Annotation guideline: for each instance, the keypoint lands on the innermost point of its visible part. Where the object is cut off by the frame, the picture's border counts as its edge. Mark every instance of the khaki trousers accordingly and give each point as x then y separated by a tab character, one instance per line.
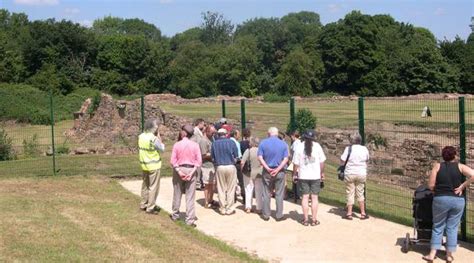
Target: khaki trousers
189	189
354	186
226	184
150	189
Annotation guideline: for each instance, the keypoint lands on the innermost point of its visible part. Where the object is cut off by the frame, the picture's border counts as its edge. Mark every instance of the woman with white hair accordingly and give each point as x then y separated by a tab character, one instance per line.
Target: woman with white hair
252	171
355	174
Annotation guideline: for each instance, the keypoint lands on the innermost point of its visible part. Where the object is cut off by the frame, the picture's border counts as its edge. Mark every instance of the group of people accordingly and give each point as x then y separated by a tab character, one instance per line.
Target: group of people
214	157
209	156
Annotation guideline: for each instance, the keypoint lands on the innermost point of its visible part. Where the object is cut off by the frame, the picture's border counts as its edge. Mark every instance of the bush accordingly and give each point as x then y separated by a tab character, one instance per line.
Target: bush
6	148
31	146
273	97
304	120
27	104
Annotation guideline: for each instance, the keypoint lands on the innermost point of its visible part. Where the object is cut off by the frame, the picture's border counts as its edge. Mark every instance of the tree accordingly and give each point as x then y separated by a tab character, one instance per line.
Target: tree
216	29
114	25
296	75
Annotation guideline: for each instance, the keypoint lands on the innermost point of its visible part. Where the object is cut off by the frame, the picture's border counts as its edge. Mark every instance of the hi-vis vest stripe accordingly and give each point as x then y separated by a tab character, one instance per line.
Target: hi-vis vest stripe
150	159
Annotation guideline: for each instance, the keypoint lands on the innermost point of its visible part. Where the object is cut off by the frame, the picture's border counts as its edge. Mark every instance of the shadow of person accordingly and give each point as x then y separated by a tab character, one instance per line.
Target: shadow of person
201	202
337	211
294	215
422	248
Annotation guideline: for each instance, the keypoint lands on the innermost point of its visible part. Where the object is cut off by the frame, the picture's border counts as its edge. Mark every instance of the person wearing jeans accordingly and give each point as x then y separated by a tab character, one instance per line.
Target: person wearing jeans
273	155
448	202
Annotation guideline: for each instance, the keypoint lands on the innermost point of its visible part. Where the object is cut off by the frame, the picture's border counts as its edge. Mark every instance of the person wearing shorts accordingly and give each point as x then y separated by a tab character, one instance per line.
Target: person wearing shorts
207	170
308	162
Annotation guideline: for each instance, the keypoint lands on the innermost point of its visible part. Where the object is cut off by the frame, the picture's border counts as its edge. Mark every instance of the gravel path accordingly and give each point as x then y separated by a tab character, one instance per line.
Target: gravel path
334	240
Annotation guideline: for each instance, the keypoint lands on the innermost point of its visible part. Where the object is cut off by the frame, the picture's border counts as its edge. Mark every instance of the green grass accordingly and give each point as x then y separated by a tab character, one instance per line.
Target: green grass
89	219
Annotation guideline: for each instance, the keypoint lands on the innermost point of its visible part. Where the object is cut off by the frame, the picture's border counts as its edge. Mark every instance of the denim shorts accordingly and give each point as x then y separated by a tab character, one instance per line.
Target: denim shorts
307	187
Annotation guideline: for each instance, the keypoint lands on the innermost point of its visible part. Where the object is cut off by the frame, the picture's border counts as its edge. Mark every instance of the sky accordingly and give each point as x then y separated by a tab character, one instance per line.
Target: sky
445	18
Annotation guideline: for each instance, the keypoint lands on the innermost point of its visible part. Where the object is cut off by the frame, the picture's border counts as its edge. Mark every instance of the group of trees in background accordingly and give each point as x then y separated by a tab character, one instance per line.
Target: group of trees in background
292	55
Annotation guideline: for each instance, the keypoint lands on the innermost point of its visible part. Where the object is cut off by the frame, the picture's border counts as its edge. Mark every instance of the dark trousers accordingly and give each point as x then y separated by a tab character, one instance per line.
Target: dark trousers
240	178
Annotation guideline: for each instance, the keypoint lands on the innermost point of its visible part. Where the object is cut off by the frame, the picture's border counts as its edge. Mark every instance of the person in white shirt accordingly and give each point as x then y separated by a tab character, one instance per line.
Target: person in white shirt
308	162
355	174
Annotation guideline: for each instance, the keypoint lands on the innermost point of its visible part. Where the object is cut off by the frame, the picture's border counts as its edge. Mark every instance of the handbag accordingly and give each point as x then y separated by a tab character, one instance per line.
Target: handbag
340	169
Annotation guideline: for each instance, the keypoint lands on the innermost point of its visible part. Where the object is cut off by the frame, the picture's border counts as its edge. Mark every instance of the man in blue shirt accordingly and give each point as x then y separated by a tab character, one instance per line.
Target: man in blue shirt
273	155
224	155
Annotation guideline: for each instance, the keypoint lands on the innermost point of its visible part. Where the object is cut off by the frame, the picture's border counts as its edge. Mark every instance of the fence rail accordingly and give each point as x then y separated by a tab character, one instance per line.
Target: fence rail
404	137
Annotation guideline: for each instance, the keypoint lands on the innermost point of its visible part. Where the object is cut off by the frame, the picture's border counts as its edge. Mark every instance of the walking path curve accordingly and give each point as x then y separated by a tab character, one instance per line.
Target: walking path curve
334	240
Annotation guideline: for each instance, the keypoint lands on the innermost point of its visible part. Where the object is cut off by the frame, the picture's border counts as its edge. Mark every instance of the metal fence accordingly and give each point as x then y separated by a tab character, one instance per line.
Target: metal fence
404	136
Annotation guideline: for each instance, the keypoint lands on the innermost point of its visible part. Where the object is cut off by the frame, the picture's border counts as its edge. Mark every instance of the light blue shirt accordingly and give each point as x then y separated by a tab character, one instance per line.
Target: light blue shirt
238	147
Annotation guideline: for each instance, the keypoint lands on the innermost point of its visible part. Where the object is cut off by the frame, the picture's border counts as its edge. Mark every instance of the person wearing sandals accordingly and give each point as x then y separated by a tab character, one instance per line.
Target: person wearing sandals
252	176
355	172
448	201
308	162
208	171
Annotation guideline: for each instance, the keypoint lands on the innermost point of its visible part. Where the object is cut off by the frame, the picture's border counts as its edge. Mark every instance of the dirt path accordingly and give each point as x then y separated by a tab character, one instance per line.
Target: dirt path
335	240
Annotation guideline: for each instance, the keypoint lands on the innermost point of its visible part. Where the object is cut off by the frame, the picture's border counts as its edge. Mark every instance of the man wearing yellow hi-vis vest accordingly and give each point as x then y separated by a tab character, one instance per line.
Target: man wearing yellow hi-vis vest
149	147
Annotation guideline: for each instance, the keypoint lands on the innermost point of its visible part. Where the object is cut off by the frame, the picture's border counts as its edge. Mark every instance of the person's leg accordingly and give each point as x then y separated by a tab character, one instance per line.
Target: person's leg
145	190
304	205
221	181
350	191
452	223
258	184
248	184
240	180
359	182
190	187
267	194
177	192
314	207
232	185
440	214
279	193
154	190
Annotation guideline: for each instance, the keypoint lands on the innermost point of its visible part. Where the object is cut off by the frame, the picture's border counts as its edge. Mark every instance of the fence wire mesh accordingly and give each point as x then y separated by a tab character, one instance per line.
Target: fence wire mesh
404	136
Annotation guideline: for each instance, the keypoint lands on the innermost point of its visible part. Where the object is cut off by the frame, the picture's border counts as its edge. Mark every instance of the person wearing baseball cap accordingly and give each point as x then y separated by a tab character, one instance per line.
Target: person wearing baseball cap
224	155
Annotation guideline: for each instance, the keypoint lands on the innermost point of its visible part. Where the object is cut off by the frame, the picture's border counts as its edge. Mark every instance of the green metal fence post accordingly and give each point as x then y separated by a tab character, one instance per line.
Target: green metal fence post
242	114
462	157
292	114
223	109
52	130
362	135
361	119
142	112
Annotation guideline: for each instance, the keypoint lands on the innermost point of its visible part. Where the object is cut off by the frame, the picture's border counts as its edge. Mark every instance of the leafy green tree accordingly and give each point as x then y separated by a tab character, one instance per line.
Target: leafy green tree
216	29
6	147
114	25
296	75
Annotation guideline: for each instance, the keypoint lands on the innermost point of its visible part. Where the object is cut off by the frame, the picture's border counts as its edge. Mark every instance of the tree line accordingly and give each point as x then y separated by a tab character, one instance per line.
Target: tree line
293	55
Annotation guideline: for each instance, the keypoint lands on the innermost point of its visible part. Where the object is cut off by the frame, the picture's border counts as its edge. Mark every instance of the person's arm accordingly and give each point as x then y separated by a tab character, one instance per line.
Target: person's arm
469	173
322	159
432	180
264	164
174	159
278	169
342	161
159	146
321	168
235	152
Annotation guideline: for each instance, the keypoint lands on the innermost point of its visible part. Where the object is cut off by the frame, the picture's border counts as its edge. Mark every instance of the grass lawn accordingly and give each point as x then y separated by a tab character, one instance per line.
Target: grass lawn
94	219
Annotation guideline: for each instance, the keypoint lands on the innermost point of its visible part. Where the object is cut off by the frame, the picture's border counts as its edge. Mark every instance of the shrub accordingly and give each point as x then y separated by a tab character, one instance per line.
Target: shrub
377	139
6	148
273	97
304	120
31	146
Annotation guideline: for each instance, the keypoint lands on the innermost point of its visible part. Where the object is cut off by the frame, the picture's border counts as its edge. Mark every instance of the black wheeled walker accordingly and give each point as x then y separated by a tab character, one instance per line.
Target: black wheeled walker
423	218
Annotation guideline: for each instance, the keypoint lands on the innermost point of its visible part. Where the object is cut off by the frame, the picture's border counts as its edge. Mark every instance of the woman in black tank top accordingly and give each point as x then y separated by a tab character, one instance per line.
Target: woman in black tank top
446	180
